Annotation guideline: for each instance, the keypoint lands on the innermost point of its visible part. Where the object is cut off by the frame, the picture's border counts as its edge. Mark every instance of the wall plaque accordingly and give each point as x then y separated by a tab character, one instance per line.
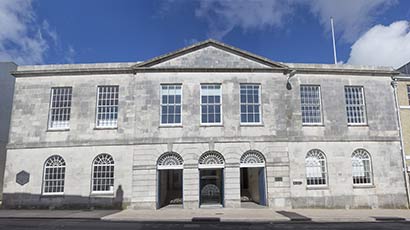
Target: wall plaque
22	177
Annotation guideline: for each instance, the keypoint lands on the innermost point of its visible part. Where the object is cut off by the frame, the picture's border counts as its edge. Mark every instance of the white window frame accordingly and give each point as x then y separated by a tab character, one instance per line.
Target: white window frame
203	164
370	172
161	104
169	161
101	165
220	104
320	105
408	94
51	108
364	106
63	166
260	105
252	159
97	107
323	170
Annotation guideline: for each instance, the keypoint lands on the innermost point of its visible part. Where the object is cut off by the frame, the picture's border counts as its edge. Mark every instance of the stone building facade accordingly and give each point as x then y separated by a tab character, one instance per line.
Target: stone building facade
403	99
6	101
208	125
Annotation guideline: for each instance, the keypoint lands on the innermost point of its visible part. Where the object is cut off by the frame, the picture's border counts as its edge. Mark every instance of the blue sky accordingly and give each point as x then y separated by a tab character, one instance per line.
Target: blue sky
87	31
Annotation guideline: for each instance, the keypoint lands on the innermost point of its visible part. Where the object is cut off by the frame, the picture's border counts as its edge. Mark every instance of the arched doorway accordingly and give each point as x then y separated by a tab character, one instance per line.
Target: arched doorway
169	172
253	180
211	179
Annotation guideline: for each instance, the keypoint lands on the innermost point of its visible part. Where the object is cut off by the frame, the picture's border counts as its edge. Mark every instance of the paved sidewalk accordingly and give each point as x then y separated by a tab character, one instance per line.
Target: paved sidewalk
184	215
54	214
354	215
263	215
254	215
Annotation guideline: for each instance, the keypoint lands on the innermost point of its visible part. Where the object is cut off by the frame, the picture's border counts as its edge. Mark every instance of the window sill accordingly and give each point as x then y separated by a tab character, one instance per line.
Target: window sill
251	124
211	125
52	194
170	126
317	187
106	128
357	125
102	194
58	130
363	186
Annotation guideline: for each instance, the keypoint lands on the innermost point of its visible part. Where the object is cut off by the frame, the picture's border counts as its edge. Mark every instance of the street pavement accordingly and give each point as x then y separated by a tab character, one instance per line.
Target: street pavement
83	224
218	218
243	215
54	214
262	215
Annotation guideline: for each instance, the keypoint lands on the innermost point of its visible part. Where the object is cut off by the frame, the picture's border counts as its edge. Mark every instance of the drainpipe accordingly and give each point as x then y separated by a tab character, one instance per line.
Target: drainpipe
403	155
290	75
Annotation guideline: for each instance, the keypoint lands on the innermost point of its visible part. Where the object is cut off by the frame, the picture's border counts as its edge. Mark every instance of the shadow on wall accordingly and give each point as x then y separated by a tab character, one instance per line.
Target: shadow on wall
37	201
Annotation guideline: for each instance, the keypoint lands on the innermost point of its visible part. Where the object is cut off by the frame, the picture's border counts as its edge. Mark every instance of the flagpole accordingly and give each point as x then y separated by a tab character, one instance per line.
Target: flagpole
333	38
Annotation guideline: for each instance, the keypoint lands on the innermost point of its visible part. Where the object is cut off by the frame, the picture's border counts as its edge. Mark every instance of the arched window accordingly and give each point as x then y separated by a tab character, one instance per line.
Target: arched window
361	167
252	158
316	170
103	173
54	175
170	160
211	159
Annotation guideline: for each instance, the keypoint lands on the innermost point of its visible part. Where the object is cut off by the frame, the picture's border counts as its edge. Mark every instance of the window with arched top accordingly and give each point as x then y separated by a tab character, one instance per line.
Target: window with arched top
170	160
316	169
103	173
211	159
54	175
252	158
362	167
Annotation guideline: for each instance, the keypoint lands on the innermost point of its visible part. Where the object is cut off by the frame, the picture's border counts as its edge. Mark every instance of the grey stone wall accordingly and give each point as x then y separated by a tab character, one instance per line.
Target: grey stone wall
6	100
139	110
140	139
210	57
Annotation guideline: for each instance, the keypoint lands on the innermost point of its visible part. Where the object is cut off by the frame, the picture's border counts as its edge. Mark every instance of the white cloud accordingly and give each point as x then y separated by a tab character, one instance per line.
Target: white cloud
69	55
223	16
383	46
351	17
22	38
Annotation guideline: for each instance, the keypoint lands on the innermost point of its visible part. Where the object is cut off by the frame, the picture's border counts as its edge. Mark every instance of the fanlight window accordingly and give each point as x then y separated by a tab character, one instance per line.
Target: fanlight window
316	170
252	158
54	175
211	159
361	167
103	173
170	160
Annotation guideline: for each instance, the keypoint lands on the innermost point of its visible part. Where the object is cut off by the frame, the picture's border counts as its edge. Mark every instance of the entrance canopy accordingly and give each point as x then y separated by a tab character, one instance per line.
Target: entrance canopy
252	159
170	160
211	159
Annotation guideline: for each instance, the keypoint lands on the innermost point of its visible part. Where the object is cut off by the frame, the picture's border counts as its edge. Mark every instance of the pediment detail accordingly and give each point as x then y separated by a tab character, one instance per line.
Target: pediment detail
210	55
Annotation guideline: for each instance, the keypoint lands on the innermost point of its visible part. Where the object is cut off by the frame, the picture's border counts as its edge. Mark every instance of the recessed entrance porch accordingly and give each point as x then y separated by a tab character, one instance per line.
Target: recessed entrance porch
211	179
170	180
253	179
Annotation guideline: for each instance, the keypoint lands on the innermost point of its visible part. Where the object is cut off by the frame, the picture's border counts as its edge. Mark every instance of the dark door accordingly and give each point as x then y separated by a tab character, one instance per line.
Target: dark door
211	186
262	186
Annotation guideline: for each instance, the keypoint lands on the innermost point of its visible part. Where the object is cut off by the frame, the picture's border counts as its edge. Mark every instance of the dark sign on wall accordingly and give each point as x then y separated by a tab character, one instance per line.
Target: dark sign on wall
22	177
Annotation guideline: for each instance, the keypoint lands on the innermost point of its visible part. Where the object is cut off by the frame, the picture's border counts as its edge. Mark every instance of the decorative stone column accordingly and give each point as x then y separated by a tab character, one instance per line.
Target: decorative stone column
232	186
191	186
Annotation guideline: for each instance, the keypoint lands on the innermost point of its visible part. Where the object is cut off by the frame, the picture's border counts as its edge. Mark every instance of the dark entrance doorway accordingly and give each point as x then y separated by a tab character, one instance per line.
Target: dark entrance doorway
169	187
211	186
253	188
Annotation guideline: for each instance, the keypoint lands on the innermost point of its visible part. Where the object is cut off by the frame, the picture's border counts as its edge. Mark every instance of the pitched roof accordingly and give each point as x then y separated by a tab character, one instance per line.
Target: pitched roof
207	43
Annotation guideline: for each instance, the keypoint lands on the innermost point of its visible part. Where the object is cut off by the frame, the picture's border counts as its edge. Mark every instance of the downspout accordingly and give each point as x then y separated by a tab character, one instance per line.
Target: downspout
403	155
